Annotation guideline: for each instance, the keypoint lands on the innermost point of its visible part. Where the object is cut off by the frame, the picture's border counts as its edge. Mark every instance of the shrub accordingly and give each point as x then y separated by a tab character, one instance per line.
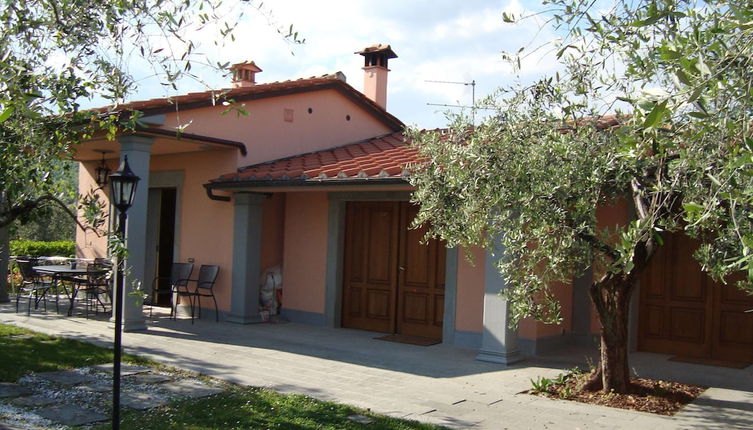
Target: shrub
62	248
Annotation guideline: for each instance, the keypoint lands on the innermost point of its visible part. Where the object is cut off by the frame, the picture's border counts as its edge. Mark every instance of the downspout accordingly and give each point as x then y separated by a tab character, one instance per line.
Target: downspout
213	196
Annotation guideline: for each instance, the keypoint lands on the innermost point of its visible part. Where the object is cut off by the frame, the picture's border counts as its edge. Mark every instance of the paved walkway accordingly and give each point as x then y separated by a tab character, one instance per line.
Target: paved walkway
438	384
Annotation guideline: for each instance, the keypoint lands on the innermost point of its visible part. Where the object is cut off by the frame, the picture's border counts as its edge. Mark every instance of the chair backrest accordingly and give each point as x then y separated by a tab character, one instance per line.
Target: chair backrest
99	278
180	273
27	272
207	276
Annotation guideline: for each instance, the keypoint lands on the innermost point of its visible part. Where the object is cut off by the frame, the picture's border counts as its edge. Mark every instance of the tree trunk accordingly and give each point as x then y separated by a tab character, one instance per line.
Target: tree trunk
612	300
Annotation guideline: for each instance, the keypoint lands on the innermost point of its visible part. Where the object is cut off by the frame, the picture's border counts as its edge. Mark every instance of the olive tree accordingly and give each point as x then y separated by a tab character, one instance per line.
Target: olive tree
653	106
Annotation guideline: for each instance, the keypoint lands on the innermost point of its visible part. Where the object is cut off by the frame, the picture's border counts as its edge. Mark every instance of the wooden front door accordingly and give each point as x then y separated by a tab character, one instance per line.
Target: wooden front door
392	283
683	312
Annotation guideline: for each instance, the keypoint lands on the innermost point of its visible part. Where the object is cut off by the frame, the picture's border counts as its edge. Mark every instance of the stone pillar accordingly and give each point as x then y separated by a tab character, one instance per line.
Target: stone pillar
4	258
138	149
247	227
499	343
581	313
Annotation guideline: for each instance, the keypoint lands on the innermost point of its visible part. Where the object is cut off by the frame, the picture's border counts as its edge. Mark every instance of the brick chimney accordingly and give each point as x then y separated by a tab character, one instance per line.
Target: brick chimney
244	74
375	72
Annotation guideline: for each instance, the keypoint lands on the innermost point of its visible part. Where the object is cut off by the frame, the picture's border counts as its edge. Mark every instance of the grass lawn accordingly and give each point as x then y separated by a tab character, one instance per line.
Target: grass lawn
23	351
255	408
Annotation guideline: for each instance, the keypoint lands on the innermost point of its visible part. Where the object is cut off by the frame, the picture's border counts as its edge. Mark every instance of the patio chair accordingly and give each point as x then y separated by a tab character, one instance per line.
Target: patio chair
204	288
97	286
35	285
180	273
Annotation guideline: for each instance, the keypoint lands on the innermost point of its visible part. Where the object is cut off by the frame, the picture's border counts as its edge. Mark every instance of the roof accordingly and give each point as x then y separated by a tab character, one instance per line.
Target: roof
380	159
383	159
335	81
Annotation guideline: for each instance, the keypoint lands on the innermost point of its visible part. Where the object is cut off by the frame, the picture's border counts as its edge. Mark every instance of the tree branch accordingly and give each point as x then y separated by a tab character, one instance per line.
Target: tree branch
598	244
640	203
31	204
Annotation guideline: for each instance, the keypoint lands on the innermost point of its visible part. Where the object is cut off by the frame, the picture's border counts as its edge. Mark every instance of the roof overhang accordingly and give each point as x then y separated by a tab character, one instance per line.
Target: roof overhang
165	142
297	185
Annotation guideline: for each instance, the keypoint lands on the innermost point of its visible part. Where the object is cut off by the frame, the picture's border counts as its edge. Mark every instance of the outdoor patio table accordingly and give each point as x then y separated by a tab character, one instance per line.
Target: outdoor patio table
58	272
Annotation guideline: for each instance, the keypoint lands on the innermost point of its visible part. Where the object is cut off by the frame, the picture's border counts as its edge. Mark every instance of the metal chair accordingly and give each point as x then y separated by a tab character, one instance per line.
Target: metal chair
180	273
204	288
34	284
97	284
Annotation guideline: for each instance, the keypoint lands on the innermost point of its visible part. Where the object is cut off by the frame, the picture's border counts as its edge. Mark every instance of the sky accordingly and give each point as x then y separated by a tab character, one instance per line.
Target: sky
435	40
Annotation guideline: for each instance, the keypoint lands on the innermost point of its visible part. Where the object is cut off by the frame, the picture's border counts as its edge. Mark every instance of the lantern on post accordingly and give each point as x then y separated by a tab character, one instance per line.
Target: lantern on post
102	171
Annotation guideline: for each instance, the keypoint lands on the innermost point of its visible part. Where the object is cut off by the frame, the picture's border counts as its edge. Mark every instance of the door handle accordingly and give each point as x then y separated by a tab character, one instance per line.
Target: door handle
402	268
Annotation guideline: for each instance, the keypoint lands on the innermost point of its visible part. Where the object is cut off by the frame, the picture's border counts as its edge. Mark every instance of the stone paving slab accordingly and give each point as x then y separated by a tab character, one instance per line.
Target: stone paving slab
34	401
72	415
66	377
9	389
147	378
96	387
125	369
141	400
191	389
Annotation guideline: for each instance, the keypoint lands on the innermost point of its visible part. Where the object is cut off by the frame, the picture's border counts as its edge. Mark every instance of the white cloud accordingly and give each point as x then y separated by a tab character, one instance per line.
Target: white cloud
435	40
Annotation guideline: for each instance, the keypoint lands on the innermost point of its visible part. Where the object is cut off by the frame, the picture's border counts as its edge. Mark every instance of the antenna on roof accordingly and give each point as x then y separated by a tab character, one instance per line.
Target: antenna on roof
473	106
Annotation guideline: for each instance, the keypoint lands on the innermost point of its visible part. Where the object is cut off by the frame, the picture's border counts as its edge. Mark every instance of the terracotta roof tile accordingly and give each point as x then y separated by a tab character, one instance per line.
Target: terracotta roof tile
383	157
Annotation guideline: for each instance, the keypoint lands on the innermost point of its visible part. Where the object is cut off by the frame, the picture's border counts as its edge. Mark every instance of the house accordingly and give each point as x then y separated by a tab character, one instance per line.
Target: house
309	175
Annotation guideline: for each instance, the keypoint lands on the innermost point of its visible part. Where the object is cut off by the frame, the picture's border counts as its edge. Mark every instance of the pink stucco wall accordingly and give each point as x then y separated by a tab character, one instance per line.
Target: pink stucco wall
305	251
88	243
469	314
206	226
273	231
531	329
269	136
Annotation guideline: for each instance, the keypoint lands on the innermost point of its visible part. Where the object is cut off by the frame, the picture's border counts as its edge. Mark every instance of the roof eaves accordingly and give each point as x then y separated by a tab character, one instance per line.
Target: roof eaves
313	182
197	137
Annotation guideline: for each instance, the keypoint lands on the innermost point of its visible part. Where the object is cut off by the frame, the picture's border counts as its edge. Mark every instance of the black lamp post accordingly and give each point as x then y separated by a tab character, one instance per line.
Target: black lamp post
123	182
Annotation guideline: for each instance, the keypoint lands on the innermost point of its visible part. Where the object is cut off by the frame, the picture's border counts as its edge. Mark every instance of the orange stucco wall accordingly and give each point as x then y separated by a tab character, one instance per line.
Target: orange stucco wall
609	216
469	313
305	251
269	136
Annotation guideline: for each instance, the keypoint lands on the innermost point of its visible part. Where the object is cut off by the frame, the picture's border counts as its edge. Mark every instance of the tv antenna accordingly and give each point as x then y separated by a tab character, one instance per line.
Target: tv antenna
473	106
473	93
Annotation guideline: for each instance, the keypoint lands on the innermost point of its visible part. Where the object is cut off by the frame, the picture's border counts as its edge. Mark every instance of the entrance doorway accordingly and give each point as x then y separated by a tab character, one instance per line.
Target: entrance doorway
160	237
684	312
392	283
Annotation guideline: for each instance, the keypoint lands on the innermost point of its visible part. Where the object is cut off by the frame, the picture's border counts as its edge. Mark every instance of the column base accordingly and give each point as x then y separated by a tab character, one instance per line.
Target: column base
244	319
506	358
138	324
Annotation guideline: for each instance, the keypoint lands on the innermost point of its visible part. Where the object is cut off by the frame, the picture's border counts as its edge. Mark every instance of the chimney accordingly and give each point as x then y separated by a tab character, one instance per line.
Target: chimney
375	72
244	74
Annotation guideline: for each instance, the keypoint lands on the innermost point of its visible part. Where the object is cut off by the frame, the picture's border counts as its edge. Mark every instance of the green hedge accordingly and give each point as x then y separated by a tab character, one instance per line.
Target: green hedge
61	248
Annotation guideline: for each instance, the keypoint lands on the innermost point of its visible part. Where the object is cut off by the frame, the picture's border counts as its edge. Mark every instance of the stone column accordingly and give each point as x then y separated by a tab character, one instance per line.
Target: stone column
138	149
4	258
499	343
247	227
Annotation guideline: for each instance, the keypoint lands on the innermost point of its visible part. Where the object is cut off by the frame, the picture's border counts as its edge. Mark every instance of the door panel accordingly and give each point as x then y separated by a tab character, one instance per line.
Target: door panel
391	282
683	312
369	272
733	326
419	288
